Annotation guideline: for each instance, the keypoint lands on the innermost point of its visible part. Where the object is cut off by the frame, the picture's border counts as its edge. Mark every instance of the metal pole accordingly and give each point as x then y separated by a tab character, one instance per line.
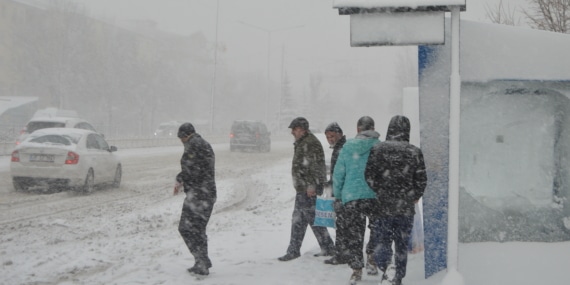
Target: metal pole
454	128
213	88
268	95
281	88
268	77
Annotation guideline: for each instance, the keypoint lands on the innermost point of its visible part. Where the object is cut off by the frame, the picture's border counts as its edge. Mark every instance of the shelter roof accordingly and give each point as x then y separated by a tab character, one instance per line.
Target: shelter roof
347	7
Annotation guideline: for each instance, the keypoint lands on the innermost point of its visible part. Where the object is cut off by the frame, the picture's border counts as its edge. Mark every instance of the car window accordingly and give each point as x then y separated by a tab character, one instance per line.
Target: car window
34	126
102	143
85	126
92	142
52	139
244	127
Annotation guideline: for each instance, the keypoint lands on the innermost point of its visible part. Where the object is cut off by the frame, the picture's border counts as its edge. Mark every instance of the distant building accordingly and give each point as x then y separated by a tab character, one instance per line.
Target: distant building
14	114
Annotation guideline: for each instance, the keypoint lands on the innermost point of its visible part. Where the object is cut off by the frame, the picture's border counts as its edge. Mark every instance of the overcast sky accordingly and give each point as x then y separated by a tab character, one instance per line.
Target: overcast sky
303	37
310	32
188	16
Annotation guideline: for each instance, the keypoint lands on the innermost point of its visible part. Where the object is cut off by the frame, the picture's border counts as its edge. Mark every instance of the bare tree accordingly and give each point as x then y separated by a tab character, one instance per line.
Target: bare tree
549	15
501	14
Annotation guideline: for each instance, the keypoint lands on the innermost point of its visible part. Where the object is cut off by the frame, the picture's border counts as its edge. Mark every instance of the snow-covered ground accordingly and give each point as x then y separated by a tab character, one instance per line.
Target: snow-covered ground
129	235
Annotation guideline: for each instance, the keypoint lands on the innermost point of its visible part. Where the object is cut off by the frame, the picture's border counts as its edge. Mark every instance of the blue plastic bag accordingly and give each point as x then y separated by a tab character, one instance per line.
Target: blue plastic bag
324	212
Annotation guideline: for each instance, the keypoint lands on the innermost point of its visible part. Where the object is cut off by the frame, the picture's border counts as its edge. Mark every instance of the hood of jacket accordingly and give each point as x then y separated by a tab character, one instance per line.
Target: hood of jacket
362	143
398	129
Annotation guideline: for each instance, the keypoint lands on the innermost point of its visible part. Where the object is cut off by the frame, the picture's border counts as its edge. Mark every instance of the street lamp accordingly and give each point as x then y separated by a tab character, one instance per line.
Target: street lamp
269	31
213	87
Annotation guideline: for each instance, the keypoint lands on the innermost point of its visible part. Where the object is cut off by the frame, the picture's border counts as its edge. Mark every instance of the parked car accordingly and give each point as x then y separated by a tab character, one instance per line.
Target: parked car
38	123
65	158
167	129
250	135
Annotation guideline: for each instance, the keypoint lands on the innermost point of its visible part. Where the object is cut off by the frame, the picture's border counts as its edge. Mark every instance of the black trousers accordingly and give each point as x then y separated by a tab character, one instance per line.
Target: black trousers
340	242
303	216
395	229
356	213
192	228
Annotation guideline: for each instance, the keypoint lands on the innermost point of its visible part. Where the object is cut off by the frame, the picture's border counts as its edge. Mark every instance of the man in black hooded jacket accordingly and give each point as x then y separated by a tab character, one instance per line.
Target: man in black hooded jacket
197	178
396	172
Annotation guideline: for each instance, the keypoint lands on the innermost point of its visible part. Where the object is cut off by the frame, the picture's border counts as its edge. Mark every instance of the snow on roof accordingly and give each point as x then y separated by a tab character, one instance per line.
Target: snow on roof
51	112
370	4
9	102
62	131
492	51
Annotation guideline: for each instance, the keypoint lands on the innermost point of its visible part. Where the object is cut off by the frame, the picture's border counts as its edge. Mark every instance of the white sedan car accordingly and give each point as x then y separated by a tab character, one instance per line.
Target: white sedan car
64	158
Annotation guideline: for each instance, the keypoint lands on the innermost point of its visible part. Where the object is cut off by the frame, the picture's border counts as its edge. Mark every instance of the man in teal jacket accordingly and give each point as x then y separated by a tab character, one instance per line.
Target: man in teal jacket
358	198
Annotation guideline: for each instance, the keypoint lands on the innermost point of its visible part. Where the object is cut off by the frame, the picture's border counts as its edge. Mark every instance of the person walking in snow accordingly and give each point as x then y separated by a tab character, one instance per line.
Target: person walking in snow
396	172
358	199
197	179
309	176
336	140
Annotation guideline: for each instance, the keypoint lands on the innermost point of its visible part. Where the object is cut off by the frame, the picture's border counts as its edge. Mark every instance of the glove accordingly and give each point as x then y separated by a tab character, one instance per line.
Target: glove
177	187
311	192
319	189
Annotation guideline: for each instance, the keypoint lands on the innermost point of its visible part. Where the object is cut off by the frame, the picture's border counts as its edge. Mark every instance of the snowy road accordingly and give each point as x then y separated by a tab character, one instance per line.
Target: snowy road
67	237
129	235
148	176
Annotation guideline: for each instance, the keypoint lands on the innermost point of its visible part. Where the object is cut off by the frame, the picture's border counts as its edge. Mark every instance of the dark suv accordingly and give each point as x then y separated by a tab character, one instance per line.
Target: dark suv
250	134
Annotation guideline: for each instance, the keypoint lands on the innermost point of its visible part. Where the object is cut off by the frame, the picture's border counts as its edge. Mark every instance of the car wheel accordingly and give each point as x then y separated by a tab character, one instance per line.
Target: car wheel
18	185
56	188
118	175
89	182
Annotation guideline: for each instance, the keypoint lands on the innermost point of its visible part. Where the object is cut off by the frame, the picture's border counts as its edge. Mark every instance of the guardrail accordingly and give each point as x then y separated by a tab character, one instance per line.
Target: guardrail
6	148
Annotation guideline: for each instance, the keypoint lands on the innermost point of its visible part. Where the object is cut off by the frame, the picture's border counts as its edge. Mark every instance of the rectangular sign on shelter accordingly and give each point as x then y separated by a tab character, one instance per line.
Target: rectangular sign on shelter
397	29
396	22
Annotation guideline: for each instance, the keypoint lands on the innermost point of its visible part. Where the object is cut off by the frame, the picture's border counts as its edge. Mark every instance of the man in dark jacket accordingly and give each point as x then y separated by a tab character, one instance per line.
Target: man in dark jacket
396	172
336	140
309	176
197	178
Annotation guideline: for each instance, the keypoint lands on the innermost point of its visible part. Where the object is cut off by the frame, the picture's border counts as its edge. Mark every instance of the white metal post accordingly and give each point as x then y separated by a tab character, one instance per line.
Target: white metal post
453	276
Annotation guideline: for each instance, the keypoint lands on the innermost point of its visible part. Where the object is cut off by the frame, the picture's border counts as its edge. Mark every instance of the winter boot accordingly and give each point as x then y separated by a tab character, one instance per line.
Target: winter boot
371	267
356	276
199	270
324	253
335	260
288	256
384	278
201	267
